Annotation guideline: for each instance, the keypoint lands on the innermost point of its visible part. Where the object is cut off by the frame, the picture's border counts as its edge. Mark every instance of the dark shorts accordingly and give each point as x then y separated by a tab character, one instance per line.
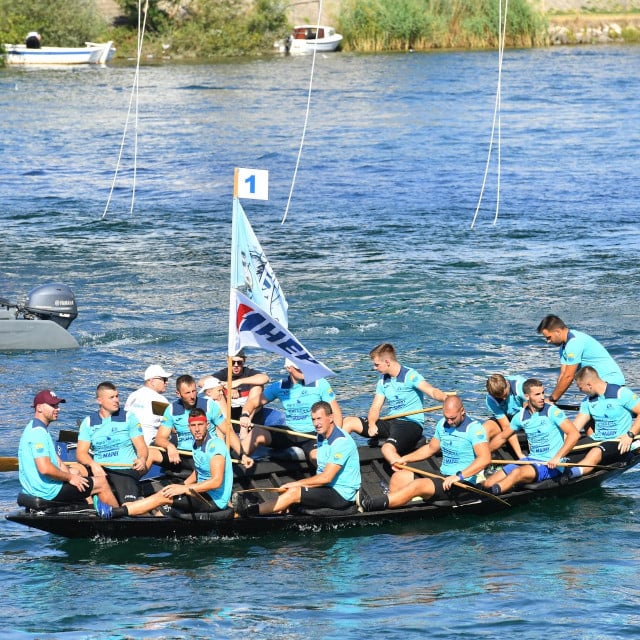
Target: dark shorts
71	495
125	484
191	504
185	464
404	435
326	497
284	441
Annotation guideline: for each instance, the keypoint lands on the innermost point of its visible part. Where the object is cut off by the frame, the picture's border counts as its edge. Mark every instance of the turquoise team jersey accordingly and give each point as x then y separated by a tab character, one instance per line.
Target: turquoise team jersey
110	438
612	412
457	444
176	416
402	393
297	400
514	402
543	430
339	448
583	350
213	446
36	442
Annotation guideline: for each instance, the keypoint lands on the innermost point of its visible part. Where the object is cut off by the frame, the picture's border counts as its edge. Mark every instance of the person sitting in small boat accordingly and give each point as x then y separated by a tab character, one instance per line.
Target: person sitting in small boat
505	398
41	471
175	419
297	397
33	40
115	437
465	453
403	388
140	402
615	411
550	434
207	489
577	350
243	380
336	481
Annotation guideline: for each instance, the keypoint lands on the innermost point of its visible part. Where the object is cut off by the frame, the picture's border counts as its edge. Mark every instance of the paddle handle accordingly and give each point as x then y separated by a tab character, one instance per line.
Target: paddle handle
411	413
289	432
562	464
462	485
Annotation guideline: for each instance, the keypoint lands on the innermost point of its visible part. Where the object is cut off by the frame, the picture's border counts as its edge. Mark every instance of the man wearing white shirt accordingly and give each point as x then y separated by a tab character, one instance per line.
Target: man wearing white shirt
140	402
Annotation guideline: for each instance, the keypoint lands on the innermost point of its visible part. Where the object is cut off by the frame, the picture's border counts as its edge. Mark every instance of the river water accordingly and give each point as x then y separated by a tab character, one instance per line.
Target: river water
377	247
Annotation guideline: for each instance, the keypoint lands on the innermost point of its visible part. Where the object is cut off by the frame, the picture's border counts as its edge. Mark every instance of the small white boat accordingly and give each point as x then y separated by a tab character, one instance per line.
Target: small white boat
91	53
307	37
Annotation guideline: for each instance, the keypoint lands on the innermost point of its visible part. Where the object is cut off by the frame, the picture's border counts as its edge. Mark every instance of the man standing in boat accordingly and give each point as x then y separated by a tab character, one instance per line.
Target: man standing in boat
140	402
577	350
42	472
550	434
336	482
465	453
207	489
403	389
297	398
116	440
175	423
615	412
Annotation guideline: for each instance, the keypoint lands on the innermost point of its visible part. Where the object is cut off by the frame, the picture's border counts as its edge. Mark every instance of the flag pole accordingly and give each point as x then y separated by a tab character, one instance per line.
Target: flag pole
231	315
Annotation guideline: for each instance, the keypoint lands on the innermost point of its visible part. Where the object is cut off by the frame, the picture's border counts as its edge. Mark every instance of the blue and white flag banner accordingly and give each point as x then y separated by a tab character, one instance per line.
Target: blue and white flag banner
251	326
251	272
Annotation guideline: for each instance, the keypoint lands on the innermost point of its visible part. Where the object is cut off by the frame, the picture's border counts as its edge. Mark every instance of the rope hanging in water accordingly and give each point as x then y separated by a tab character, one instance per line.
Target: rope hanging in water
135	94
502	32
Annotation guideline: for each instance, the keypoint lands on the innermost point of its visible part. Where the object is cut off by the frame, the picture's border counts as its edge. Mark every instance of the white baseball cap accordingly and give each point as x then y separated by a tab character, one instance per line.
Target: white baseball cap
291	363
210	383
155	371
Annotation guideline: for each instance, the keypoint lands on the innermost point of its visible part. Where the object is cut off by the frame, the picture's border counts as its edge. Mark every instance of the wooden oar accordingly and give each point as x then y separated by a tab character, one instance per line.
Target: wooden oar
411	413
8	463
562	464
182	452
597	443
256	489
289	432
462	485
197	495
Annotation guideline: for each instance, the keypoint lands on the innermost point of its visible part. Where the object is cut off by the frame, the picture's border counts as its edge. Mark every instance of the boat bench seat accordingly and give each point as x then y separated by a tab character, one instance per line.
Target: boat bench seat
33	503
225	514
328	513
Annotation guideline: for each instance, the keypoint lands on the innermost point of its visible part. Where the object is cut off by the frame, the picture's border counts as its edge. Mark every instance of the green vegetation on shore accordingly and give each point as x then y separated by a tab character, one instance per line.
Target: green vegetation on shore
215	28
383	25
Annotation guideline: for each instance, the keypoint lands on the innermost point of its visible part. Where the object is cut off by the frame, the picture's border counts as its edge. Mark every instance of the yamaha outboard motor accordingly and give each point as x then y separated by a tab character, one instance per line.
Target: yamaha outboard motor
54	301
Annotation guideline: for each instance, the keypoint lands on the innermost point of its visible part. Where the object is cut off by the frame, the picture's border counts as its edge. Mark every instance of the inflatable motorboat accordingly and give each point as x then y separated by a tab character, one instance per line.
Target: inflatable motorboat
41	321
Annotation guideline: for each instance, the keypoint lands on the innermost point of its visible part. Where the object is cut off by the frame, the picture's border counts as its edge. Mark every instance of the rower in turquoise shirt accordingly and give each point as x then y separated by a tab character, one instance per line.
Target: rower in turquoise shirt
339	448
36	442
210	447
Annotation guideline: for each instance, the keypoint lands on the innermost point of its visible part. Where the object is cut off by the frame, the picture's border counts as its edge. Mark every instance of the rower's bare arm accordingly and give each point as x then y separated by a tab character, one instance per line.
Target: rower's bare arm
330	471
84	457
337	412
424	452
581	421
571	436
374	410
567	374
481	461
259	379
140	463
433	392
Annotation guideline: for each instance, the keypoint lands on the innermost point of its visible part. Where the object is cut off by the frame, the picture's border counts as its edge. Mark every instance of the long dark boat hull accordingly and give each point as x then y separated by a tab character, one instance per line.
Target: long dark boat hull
83	522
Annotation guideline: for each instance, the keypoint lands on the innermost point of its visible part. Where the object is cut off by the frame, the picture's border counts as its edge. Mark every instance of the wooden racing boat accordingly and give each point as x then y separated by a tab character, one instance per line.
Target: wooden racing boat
80	521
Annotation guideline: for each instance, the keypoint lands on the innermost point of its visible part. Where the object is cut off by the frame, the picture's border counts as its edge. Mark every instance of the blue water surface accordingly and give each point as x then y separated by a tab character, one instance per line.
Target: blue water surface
377	247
